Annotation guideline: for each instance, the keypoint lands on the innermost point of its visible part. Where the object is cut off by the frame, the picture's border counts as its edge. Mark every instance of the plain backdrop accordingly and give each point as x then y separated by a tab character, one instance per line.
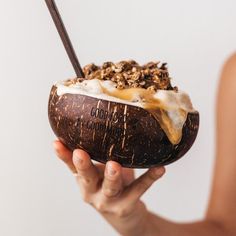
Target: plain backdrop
38	195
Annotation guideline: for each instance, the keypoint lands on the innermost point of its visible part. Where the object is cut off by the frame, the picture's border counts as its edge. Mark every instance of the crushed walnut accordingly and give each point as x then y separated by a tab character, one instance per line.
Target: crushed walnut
129	74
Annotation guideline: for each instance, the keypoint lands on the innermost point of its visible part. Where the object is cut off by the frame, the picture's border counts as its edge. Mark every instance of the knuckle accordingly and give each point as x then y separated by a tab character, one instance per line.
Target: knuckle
86	181
109	192
122	212
142	185
101	207
86	198
112	178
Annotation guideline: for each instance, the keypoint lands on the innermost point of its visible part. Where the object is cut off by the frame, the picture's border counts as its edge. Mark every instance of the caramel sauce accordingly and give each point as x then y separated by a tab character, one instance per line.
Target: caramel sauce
173	133
156	108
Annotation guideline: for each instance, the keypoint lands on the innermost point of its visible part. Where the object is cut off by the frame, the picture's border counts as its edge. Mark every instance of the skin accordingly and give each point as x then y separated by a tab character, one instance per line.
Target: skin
115	192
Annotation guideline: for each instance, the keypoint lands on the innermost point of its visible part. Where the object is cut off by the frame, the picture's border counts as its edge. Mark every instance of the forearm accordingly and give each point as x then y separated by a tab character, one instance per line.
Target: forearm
157	226
145	223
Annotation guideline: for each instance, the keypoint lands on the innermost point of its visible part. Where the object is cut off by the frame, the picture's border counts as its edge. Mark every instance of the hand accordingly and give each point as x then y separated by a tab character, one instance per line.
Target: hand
112	190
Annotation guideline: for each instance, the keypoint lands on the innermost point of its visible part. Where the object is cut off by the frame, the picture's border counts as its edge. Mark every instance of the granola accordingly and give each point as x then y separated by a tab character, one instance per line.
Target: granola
129	74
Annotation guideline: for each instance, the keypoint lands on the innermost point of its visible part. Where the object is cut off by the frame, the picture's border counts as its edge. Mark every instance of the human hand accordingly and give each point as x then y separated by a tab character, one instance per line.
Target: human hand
112	190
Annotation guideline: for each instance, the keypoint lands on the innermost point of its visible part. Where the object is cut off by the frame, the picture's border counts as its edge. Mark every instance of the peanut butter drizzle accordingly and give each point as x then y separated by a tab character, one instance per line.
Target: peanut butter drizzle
155	107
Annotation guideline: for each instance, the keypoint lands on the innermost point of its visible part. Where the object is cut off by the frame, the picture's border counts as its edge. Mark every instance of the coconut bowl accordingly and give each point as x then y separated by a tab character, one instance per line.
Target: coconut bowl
107	130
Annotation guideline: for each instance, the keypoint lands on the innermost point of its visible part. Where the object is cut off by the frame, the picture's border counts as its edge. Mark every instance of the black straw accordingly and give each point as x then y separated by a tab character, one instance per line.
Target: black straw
64	37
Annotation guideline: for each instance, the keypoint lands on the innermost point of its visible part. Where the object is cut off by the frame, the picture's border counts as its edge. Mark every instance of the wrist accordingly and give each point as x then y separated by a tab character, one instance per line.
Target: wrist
153	225
137	221
132	224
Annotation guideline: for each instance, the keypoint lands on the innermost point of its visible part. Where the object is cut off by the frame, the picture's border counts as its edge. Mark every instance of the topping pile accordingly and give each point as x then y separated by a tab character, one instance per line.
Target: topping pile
129	74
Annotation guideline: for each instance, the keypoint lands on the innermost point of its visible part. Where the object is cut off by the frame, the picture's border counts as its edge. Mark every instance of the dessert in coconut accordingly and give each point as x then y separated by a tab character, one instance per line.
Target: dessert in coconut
124	112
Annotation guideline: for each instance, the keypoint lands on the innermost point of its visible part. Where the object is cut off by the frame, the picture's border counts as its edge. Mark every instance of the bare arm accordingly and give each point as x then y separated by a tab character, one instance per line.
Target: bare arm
221	215
115	193
222	205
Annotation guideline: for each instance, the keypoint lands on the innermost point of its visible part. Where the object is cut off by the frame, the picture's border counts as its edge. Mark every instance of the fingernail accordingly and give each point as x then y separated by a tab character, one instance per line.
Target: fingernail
159	171
78	159
111	171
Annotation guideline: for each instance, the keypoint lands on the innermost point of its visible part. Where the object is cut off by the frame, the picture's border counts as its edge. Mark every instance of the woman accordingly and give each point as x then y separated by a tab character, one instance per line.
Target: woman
115	193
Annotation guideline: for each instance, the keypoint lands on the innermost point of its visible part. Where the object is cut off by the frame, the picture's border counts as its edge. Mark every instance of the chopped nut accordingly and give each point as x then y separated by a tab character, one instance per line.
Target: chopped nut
152	88
107	65
90	69
176	89
136	76
133	63
129	74
121	85
151	65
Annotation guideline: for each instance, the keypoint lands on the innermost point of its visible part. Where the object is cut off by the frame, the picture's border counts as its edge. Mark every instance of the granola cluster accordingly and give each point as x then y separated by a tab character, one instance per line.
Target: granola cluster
129	74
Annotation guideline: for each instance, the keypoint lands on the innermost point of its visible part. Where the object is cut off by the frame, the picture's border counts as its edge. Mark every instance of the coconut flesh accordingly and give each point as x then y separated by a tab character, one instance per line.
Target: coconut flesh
172	106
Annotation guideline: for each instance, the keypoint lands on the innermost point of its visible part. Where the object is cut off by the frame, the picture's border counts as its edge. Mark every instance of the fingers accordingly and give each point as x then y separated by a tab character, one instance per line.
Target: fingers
64	154
128	176
87	174
112	183
143	183
104	186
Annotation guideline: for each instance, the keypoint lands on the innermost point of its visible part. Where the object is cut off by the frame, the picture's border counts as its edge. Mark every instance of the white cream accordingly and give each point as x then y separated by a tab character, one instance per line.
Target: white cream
176	104
94	88
174	100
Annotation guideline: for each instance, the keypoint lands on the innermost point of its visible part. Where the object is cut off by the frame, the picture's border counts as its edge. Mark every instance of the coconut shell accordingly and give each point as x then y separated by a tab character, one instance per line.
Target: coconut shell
109	130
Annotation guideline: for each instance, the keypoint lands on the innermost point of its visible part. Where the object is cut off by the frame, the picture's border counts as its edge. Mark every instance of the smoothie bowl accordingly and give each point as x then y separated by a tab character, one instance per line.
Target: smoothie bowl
124	112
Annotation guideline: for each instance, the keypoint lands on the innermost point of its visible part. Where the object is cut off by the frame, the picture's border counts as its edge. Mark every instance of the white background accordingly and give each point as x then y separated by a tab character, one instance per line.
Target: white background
38	195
